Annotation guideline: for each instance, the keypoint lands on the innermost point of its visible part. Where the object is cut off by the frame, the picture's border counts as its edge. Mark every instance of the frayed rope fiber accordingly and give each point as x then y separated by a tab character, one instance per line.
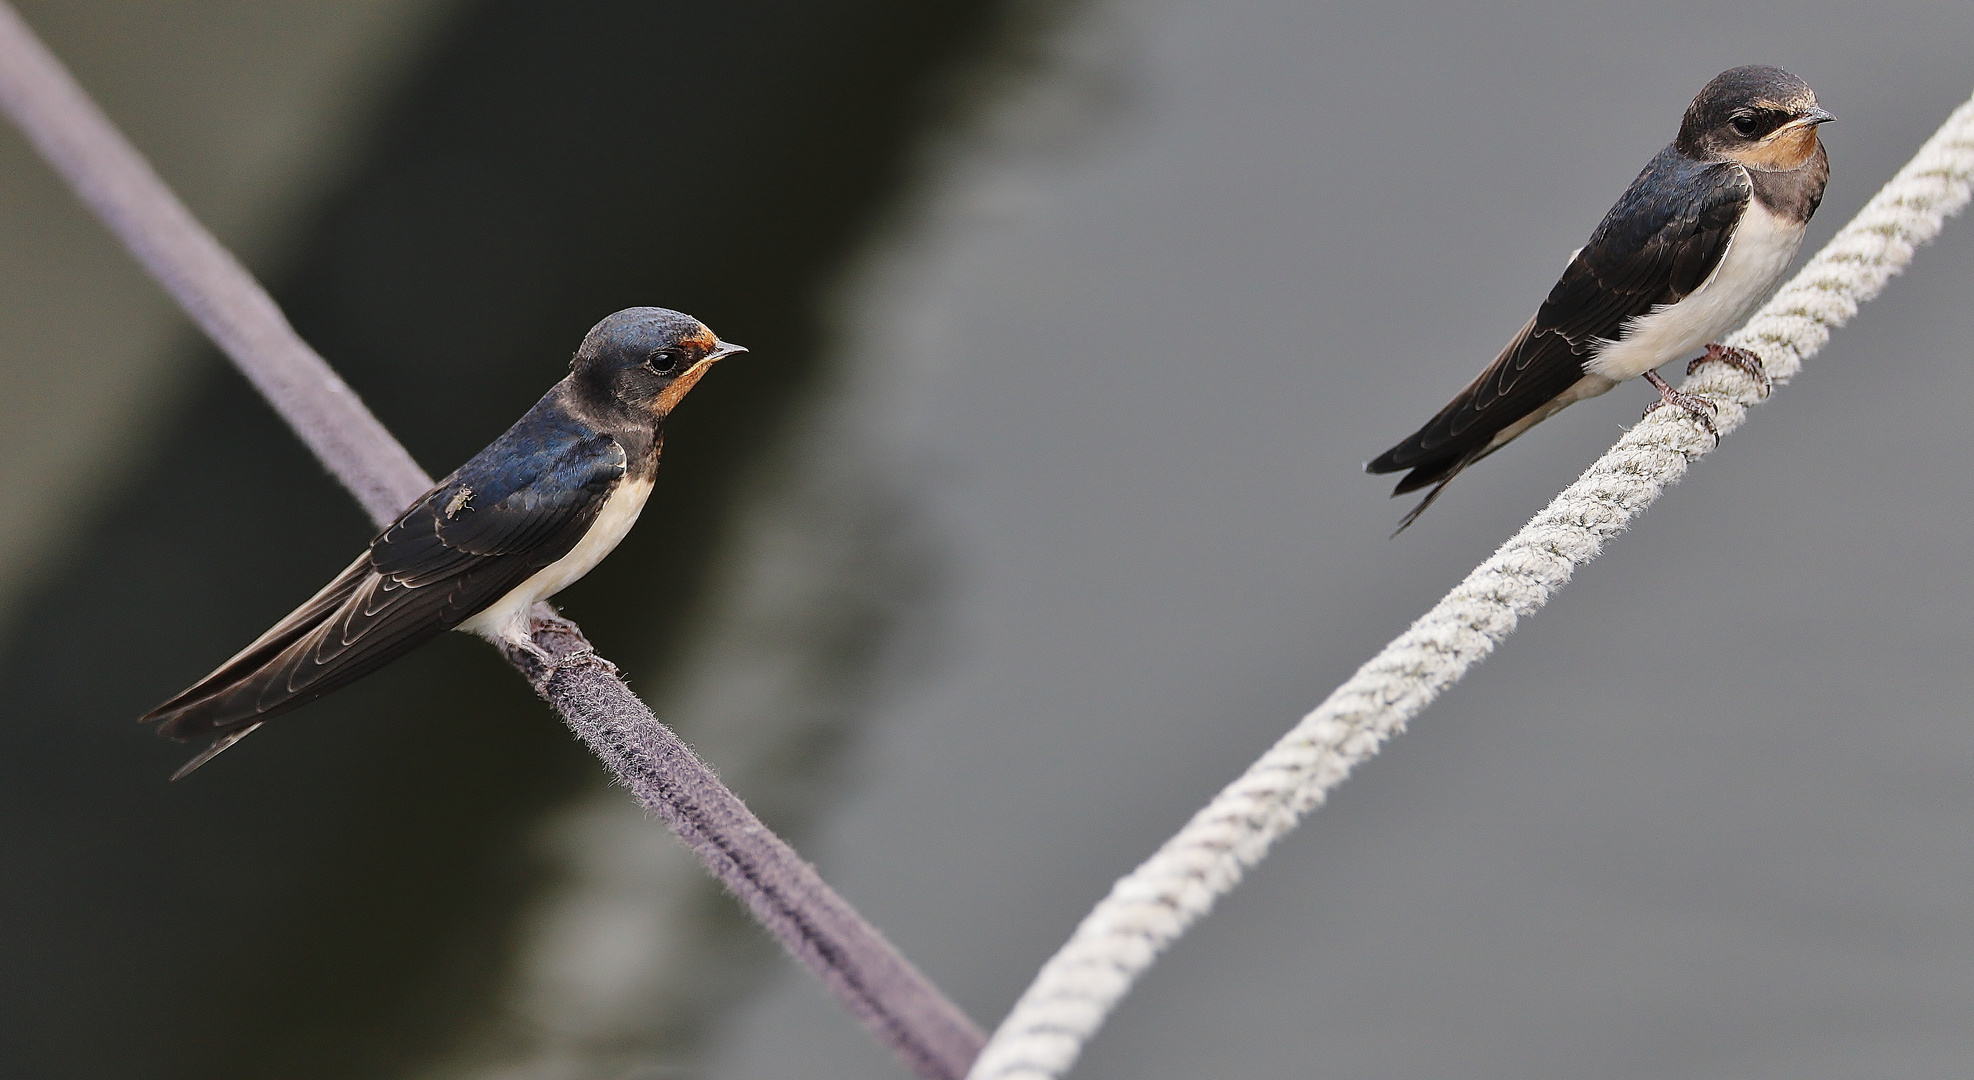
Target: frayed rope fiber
1155	904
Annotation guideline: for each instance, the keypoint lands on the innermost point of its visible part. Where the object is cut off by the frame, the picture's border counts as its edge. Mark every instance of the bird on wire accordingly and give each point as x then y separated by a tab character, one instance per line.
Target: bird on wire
1692	248
522	520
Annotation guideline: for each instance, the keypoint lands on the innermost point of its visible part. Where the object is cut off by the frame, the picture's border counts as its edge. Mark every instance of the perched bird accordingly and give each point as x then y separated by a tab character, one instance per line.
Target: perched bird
526	517
1693	248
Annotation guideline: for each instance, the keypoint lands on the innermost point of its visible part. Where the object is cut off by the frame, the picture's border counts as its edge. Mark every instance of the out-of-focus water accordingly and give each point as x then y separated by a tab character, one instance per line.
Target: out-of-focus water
1035	514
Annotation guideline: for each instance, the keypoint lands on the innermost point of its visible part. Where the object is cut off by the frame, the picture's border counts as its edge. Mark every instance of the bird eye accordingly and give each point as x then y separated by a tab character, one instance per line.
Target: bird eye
664	362
1743	125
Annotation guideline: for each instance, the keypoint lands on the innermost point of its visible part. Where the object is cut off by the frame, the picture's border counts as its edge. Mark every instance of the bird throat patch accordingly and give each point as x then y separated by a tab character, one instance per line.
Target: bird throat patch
1790	148
670	396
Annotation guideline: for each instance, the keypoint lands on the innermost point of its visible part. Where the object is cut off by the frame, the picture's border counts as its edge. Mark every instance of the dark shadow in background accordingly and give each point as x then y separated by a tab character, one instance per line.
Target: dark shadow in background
333	898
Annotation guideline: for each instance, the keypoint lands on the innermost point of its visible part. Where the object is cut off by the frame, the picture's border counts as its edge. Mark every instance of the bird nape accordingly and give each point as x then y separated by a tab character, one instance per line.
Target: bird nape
1690	250
520	521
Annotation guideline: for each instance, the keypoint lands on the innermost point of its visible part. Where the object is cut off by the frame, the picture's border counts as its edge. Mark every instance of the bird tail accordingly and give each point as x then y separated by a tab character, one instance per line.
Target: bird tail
268	677
1438	475
1434	455
213	751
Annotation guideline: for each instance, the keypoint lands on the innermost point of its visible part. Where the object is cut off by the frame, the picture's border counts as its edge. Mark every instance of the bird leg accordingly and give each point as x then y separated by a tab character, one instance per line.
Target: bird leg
1700	408
547	665
545	625
544	660
584	655
1740	358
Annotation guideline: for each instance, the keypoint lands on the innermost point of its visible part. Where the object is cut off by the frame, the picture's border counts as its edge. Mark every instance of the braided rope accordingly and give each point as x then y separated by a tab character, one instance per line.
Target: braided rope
1151	907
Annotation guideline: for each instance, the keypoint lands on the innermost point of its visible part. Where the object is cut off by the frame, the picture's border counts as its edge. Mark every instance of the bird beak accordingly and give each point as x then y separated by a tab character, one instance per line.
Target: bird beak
724	349
1811	119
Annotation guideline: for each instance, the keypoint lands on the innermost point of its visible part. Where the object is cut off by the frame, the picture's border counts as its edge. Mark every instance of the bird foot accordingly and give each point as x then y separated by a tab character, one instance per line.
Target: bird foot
545	664
1740	358
1698	407
548	665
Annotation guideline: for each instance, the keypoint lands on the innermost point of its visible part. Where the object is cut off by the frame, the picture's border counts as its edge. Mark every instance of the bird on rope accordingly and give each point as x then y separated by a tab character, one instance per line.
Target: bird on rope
1691	250
519	522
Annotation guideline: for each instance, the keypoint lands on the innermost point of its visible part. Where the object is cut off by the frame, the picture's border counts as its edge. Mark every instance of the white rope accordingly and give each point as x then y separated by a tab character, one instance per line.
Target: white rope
1151	907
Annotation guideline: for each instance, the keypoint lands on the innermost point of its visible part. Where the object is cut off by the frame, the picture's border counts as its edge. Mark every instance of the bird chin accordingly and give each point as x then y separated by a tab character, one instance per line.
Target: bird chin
1789	148
670	396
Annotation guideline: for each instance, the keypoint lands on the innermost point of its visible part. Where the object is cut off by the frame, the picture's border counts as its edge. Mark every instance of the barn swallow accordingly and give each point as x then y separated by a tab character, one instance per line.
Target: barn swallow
1693	248
522	520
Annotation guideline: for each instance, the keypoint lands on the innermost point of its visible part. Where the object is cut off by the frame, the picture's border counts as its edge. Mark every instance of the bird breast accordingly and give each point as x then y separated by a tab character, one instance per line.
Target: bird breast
612	524
507	618
1760	251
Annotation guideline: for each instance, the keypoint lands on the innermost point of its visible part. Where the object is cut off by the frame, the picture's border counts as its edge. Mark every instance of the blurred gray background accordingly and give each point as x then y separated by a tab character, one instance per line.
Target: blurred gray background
1034	515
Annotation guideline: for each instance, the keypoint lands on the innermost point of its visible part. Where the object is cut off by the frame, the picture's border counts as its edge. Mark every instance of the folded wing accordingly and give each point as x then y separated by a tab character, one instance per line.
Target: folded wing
516	507
1661	242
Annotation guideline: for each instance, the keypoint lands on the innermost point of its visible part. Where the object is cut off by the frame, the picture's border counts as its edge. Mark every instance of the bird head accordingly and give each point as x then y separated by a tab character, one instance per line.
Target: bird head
1761	117
647	358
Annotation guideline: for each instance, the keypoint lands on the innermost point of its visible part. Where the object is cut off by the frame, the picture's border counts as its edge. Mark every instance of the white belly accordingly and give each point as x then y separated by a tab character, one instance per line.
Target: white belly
507	618
1760	251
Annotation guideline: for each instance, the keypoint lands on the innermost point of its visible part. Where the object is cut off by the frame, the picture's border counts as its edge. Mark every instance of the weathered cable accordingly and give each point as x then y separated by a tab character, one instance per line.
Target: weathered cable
1150	908
897	1003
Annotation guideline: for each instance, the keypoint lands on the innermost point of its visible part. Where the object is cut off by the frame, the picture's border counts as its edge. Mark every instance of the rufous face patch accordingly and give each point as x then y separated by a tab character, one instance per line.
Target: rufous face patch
1790	147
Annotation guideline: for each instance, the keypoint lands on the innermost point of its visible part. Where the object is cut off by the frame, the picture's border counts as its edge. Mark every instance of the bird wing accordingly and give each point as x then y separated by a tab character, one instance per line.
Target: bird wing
1661	242
529	500
518	506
